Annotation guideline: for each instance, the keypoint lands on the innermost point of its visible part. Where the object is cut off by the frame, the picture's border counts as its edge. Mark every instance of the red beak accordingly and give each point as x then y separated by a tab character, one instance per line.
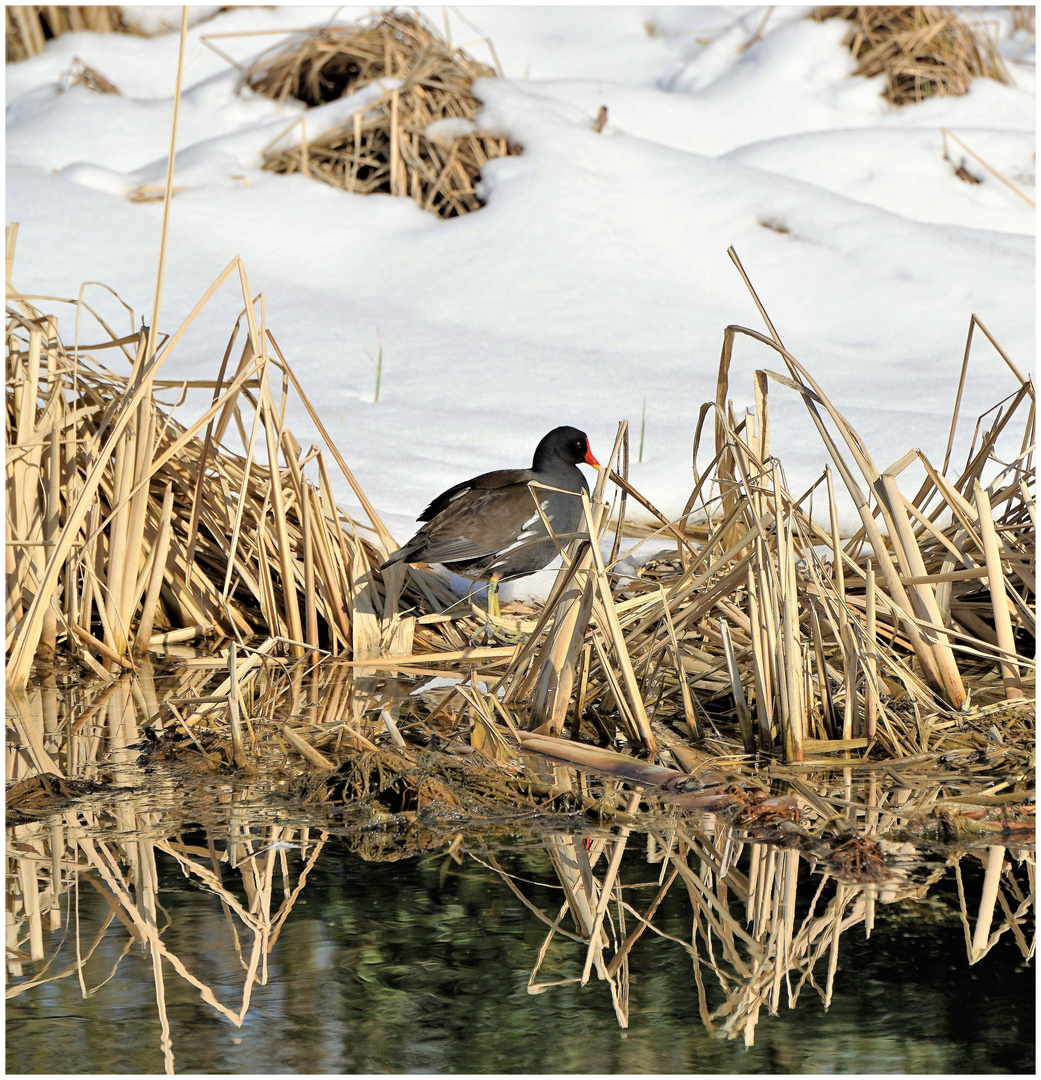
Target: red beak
589	459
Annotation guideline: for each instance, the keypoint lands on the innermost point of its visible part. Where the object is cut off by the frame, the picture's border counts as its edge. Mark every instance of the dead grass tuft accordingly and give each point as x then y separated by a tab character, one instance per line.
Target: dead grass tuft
386	146
923	51
127	530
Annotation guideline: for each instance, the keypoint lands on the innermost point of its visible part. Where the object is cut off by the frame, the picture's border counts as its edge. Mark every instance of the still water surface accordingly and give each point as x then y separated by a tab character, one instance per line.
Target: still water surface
422	964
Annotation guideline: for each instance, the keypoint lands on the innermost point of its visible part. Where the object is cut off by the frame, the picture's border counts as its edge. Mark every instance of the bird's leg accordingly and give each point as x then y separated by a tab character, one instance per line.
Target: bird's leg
493	598
491	632
495	634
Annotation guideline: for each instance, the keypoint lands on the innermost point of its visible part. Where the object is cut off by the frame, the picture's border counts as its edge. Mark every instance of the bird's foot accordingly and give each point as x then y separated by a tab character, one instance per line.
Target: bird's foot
495	634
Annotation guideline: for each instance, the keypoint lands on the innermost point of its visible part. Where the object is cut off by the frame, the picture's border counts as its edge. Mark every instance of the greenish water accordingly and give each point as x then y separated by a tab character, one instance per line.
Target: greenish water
421	965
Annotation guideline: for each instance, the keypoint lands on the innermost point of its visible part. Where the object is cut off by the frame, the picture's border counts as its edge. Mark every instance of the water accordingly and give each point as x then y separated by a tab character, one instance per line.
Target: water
169	913
422	965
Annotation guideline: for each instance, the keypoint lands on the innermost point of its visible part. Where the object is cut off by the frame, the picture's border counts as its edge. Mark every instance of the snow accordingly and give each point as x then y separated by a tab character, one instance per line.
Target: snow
449	128
158	18
445	682
595	283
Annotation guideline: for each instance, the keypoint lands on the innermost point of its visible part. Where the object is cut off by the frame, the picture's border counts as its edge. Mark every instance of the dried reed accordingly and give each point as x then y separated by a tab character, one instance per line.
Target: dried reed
385	146
125	527
121	520
805	643
769	654
923	51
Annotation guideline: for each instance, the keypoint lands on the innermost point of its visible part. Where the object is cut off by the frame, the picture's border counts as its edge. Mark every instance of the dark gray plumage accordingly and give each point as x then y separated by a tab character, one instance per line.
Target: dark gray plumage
490	527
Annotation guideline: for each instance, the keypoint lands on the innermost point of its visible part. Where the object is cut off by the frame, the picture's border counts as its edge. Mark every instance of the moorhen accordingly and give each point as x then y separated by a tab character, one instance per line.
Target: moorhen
489	527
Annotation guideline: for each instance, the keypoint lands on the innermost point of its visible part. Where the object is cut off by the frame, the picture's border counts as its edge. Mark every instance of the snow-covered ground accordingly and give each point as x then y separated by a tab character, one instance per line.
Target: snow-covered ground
595	283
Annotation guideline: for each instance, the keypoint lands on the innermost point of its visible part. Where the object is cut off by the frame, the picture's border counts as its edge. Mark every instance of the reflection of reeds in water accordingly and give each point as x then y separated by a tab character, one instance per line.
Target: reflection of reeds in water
763	935
78	815
762	927
57	856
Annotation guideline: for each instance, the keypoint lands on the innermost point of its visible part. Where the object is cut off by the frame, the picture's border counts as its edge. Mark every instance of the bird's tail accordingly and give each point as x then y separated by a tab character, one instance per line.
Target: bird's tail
396	557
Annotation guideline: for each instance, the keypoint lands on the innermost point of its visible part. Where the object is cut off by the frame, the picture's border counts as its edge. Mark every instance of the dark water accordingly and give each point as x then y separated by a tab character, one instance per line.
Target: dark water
421	965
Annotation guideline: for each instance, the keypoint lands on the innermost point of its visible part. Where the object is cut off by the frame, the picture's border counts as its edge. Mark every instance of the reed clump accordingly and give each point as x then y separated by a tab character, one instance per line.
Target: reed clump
127	530
922	51
766	634
29	27
770	634
388	144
